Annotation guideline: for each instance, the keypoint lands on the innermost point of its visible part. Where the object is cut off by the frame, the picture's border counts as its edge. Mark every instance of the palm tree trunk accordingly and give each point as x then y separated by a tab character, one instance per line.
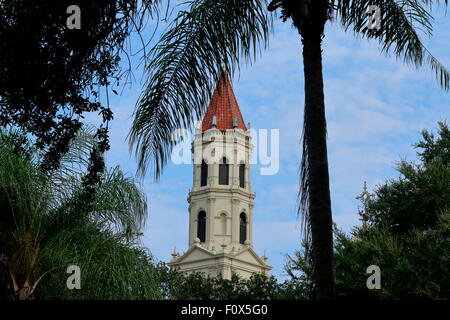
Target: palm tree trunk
317	168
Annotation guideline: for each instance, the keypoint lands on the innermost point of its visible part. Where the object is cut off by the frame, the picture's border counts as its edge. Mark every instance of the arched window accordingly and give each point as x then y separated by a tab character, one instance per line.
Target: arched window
243	228
223	171
242	175
204	174
201	226
223	222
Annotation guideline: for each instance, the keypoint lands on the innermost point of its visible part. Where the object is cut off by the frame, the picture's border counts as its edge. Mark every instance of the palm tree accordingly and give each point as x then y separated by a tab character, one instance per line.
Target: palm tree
212	34
44	228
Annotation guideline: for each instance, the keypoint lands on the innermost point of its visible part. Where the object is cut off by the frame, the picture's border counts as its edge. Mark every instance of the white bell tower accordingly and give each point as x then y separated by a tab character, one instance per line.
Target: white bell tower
221	198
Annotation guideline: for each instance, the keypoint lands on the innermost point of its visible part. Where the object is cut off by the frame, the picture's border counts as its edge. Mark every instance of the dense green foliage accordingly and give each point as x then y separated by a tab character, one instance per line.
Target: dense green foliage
413	266
422	192
196	286
110	267
44	228
51	76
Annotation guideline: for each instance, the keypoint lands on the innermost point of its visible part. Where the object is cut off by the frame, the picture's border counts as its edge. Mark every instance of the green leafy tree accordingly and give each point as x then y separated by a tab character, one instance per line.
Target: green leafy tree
44	228
420	194
413	266
51	76
216	34
435	149
298	268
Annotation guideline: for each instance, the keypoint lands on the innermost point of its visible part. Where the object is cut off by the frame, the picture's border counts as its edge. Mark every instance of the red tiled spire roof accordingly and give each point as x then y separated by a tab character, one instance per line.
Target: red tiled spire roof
224	106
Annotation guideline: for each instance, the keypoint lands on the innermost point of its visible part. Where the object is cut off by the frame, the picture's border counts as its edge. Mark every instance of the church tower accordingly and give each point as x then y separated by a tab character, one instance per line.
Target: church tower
221	198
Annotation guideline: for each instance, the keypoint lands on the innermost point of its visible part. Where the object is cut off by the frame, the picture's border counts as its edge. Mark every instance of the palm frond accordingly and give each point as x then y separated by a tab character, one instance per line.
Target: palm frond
28	196
110	268
20	196
185	65
39	211
401	22
65	181
120	204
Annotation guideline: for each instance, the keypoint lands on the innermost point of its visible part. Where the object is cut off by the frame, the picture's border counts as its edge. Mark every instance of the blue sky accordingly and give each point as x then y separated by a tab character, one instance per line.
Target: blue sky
376	108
